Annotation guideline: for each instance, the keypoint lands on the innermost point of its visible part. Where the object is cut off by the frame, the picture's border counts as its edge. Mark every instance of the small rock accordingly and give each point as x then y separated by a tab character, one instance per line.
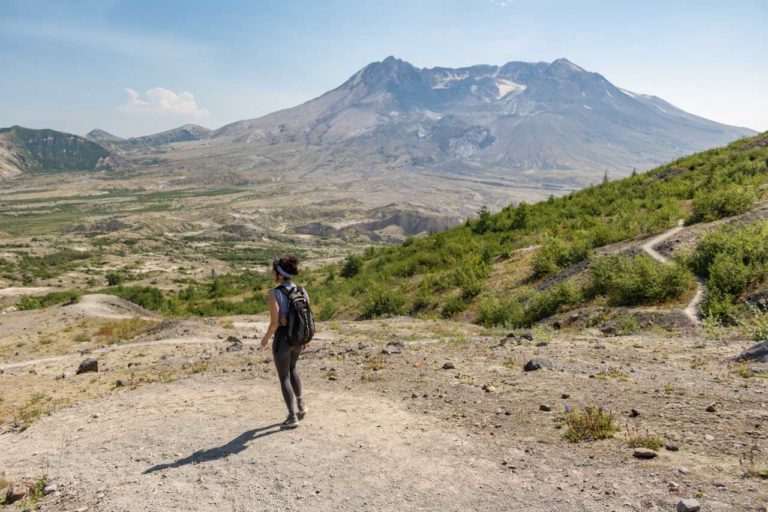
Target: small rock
634	413
331	377
396	344
89	365
233	339
683	470
709	437
119	383
489	388
542	344
711	408
236	347
545	407
644	453
448	366
15	493
689	505
537	364
565	396
61	376
391	350
599	346
557	325
672	447
50	489
609	329
527	335
417	364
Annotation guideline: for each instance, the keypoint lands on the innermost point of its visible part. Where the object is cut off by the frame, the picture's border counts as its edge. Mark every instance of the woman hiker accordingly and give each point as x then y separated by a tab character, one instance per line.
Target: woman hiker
284	269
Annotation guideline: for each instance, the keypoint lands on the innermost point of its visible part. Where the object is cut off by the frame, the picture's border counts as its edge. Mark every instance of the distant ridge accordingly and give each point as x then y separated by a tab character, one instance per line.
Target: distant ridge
24	150
102	136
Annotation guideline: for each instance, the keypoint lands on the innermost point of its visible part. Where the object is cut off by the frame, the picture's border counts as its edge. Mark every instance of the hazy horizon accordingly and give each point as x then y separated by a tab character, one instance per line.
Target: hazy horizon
133	68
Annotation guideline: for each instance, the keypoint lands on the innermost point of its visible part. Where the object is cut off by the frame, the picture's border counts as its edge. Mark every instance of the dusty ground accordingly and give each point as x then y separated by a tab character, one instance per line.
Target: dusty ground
193	428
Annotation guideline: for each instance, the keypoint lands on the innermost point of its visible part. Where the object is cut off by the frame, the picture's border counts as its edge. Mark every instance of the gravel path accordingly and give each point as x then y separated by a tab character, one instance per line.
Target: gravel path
692	309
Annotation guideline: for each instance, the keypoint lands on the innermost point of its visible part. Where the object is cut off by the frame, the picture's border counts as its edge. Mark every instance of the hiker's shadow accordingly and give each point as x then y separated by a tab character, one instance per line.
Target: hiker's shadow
236	445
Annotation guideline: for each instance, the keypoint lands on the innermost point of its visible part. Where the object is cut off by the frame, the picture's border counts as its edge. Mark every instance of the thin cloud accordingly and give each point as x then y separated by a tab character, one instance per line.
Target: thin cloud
142	45
162	101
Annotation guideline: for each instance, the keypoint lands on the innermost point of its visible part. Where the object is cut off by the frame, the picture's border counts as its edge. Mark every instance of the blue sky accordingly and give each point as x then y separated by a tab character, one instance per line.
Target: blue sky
136	67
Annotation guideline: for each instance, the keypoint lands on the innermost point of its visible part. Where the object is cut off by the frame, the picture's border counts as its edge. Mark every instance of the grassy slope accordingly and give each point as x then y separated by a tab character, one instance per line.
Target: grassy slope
465	267
52	151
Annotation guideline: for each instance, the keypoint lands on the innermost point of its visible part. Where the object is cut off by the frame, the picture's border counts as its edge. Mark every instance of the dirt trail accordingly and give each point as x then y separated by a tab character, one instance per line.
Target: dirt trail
692	309
213	444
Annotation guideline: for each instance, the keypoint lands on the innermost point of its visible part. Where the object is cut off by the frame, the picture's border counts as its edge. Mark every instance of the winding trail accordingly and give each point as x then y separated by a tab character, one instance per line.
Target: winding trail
692	309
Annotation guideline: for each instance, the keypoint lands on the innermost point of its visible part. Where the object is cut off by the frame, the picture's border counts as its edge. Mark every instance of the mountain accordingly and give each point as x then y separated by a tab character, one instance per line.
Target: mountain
516	117
102	136
188	132
26	150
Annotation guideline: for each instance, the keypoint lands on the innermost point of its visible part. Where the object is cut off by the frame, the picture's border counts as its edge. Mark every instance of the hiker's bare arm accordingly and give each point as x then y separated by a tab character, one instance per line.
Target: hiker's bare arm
274	319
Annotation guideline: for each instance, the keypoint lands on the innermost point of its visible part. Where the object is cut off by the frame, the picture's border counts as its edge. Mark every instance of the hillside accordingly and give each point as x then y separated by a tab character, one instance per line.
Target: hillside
528	262
516	117
24	150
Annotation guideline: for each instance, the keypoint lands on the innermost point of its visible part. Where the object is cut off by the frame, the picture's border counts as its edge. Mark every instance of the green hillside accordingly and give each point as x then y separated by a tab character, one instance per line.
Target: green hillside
509	268
49	150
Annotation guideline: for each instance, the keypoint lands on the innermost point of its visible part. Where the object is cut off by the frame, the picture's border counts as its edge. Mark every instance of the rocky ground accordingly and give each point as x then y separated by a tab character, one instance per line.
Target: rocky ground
405	415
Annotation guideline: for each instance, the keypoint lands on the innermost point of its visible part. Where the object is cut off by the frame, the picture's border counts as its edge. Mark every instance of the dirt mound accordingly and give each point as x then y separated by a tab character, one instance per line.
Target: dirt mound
100	305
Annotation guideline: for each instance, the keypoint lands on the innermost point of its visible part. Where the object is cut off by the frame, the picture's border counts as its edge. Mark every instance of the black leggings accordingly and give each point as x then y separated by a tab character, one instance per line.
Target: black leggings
285	361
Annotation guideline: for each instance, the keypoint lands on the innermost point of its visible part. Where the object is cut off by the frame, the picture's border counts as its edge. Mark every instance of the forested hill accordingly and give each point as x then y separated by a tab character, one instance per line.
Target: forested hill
498	268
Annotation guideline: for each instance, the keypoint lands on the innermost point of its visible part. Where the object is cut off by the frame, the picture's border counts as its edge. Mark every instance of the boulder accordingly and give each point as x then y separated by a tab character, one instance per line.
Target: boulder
689	505
644	453
758	353
537	364
88	365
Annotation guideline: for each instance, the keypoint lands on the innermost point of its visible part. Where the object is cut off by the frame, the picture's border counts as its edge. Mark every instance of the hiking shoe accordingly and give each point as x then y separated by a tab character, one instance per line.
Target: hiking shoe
290	422
303	409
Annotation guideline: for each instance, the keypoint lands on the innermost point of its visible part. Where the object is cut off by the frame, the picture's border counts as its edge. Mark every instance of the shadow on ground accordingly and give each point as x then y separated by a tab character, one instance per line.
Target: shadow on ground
237	445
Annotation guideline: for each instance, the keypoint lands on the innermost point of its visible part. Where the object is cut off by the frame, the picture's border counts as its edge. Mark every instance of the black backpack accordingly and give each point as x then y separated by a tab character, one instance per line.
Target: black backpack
301	323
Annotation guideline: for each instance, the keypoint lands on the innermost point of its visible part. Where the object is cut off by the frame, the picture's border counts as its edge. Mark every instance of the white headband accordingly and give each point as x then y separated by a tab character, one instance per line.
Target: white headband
282	272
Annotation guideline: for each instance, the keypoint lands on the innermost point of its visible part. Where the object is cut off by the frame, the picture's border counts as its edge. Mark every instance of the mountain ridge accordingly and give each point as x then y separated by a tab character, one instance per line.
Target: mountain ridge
515	117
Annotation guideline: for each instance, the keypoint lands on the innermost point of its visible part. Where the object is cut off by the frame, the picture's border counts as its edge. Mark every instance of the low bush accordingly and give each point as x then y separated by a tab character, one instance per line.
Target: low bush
588	424
379	302
711	205
27	303
632	280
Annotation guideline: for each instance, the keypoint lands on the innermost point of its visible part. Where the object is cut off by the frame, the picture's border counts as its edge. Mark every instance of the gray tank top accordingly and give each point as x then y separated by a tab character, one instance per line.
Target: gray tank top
282	298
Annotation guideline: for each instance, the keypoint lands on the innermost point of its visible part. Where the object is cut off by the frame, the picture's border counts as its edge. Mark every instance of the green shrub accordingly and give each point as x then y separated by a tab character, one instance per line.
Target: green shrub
733	259
380	302
114	278
352	266
493	311
453	306
26	302
632	280
588	424
547	303
711	205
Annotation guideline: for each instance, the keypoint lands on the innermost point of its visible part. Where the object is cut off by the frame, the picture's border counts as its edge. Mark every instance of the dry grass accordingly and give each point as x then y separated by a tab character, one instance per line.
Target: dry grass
612	373
643	439
122	330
